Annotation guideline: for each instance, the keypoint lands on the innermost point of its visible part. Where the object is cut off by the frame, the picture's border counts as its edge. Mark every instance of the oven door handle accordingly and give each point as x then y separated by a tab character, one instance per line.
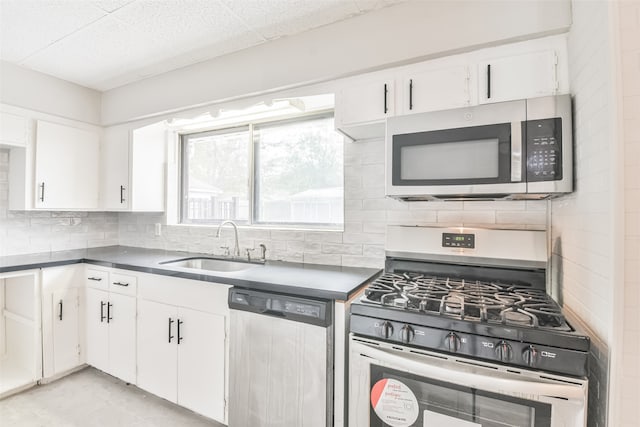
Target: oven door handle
470	379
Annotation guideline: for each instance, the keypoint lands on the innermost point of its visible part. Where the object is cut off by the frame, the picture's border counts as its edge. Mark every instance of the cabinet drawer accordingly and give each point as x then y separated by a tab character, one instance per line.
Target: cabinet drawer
123	284
97	279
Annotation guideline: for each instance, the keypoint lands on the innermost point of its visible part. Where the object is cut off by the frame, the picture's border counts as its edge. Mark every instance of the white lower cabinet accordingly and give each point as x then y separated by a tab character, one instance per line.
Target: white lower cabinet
182	342
181	356
66	335
111	321
111	333
62	319
201	363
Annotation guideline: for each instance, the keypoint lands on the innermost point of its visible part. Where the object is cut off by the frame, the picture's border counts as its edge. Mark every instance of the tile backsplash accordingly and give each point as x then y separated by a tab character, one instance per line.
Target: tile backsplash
367	214
43	231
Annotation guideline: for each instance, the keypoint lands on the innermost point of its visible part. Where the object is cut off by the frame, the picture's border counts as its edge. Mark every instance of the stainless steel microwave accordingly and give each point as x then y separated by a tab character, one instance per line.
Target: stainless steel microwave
509	150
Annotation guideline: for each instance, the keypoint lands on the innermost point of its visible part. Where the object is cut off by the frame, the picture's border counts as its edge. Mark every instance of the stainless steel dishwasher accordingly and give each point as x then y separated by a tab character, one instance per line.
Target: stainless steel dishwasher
281	367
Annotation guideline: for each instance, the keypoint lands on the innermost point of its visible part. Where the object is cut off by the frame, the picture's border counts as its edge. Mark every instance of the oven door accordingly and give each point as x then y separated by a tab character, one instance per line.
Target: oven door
470	151
401	387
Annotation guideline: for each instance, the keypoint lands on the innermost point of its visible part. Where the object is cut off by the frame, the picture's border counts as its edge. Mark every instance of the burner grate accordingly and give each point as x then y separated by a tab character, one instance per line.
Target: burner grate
472	300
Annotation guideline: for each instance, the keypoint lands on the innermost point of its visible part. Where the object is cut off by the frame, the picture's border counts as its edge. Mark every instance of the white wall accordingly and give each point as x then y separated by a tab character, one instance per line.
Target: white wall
583	223
626	396
402	33
29	89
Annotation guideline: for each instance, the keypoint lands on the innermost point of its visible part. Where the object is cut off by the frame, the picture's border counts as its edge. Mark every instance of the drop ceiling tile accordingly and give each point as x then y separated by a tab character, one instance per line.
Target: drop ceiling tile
28	26
190	24
106	49
277	18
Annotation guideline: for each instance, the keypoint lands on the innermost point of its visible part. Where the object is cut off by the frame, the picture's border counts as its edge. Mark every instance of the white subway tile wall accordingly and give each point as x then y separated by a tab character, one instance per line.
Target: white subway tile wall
367	214
581	222
40	231
629	15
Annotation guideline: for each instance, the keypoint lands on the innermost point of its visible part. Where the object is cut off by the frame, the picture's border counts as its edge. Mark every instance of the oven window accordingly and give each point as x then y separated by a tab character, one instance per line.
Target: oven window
441	404
451	160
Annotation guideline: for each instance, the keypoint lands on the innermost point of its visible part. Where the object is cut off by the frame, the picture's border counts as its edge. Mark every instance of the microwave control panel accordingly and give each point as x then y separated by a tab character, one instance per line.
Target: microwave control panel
544	149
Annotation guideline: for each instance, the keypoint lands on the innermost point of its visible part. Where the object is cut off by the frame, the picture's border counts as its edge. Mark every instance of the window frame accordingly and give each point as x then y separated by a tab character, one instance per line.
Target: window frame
253	185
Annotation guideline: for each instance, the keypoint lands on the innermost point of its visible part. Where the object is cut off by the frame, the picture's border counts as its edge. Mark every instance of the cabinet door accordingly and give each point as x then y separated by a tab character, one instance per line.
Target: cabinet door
121	312
201	363
364	101
13	129
66	167
148	161
97	329
114	169
157	353
436	89
66	336
517	77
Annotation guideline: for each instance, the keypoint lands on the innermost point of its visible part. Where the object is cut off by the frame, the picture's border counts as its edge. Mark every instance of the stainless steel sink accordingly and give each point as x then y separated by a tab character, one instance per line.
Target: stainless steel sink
210	264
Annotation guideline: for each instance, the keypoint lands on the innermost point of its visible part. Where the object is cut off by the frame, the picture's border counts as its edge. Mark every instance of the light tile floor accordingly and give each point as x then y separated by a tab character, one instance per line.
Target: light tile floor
91	398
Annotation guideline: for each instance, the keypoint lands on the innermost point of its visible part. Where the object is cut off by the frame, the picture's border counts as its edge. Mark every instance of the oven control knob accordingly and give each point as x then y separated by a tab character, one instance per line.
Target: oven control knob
503	351
530	355
386	330
407	334
453	342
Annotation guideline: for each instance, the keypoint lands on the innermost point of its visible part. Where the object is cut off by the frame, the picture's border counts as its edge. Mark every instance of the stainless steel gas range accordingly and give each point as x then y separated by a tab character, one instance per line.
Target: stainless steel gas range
460	332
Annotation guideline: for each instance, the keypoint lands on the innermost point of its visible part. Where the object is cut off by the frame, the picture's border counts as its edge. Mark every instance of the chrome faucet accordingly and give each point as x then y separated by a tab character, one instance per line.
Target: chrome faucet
236	250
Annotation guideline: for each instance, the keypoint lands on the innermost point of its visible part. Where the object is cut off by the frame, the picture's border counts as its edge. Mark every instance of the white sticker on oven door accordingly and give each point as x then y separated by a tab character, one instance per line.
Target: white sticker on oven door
435	419
394	403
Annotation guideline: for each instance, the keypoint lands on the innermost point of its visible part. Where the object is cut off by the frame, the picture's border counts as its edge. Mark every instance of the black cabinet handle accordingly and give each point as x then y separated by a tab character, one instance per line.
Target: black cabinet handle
488	81
60	310
170	323
109	318
385	98
97	279
42	192
180	322
102	317
122	194
411	94
121	283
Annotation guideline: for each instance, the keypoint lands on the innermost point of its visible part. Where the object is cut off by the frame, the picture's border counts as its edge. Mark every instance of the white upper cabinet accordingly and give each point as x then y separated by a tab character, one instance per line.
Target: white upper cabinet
132	168
436	85
520	70
114	169
66	167
363	103
13	130
518	76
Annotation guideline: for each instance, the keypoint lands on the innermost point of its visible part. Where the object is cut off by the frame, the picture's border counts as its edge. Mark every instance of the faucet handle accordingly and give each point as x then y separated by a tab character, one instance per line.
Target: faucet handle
263	249
226	250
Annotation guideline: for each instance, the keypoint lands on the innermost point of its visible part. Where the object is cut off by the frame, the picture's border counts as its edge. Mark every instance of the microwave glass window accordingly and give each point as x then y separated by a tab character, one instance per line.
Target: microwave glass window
442	404
451	160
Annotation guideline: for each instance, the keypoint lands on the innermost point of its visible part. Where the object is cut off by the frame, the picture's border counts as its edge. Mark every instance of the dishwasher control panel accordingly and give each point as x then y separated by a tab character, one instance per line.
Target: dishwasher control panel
306	310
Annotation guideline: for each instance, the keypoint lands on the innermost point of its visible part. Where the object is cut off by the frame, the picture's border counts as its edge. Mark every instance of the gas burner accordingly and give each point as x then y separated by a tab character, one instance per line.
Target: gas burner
464	299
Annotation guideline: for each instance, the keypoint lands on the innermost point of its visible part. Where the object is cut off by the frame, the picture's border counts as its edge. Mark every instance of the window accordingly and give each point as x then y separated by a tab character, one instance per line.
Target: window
285	173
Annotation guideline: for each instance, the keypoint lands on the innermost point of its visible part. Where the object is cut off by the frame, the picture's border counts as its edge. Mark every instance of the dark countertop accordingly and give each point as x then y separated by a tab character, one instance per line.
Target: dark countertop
310	280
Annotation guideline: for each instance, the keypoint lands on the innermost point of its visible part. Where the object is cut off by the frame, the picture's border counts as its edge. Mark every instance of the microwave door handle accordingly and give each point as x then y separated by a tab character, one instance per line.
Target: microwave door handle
469	379
516	151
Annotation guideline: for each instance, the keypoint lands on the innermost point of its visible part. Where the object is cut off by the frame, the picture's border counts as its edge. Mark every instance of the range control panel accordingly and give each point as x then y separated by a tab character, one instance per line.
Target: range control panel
493	349
544	149
458	240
